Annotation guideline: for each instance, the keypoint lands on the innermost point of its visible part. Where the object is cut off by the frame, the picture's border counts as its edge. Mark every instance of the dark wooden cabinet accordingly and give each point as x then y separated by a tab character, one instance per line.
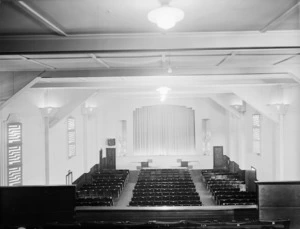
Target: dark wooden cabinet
110	158
218	157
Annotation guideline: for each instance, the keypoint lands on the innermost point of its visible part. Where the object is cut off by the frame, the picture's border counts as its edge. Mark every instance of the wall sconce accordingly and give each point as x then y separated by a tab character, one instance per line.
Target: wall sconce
87	110
48	111
163	91
281	108
241	108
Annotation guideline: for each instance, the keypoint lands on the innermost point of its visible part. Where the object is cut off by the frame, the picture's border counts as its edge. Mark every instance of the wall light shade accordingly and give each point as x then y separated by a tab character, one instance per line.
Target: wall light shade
48	111
163	91
165	16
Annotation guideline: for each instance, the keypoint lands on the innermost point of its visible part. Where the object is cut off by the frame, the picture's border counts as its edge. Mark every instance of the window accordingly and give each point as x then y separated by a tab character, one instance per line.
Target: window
71	137
256	134
14	150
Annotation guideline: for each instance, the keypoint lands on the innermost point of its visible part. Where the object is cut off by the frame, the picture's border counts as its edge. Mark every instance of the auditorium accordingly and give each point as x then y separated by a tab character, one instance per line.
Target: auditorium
150	114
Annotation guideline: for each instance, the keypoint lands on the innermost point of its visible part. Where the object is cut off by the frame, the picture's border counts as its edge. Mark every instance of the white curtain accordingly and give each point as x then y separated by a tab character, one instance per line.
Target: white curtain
164	130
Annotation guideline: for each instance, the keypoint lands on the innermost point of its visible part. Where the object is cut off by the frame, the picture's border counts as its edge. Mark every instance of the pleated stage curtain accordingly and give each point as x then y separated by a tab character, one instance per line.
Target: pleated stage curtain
164	130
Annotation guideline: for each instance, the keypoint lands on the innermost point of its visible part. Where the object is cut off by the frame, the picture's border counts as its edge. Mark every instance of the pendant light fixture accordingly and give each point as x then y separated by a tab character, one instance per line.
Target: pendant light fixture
165	16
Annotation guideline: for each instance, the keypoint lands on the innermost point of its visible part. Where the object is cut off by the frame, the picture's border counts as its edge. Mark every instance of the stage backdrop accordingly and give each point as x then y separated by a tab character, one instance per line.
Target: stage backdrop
164	130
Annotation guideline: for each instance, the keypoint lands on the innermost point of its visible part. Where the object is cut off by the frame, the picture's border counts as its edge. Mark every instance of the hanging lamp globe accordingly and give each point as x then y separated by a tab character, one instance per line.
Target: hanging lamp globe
165	16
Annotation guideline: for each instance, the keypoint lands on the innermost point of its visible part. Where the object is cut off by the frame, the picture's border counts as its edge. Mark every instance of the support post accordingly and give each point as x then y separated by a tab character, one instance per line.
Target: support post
85	150
47	156
241	109
281	147
86	112
47	113
281	111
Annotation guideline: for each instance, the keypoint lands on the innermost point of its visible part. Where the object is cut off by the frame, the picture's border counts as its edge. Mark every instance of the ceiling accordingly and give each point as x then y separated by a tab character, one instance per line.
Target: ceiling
110	46
75	17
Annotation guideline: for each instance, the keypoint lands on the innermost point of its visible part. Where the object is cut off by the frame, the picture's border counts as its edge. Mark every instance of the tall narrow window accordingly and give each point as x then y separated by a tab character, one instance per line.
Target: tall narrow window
122	138
14	149
71	137
256	134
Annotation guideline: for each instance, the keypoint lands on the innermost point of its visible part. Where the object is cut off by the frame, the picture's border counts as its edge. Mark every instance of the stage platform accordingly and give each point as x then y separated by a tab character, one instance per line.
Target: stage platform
165	213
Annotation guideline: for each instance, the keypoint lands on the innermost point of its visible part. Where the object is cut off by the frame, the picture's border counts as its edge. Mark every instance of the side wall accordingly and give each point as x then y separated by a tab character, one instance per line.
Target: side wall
291	134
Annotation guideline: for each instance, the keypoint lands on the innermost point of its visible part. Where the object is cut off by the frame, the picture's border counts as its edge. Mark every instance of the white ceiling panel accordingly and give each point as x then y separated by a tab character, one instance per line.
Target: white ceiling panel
133	62
182	61
295	60
253	60
291	22
18	65
130	16
10	57
270	51
57	56
14	21
75	63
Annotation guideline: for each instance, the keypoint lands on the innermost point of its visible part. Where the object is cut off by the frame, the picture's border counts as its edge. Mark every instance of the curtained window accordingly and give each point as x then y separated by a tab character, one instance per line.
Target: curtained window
164	130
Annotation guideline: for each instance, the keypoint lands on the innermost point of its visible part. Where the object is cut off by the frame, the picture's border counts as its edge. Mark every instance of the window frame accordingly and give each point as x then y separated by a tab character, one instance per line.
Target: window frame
256	140
71	137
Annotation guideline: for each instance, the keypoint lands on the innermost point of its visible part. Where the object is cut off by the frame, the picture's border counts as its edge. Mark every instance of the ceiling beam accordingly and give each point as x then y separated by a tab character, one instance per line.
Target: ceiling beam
20	92
280	18
202	85
37	62
98	60
34	13
157	42
223	102
269	72
258	99
295	73
288	58
226	59
76	101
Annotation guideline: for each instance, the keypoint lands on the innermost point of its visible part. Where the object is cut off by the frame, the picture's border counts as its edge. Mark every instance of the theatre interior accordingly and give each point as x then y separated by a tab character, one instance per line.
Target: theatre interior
150	114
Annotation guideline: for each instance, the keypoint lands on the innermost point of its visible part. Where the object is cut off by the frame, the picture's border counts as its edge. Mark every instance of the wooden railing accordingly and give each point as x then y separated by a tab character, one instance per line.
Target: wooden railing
69	178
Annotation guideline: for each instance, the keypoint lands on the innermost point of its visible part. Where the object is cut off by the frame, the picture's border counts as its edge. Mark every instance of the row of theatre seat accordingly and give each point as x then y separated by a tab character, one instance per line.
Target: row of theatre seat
182	224
94	201
105	186
165	187
225	188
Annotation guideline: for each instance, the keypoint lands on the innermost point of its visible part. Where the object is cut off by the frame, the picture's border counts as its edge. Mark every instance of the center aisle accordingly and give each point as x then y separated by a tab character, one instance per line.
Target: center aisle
205	195
127	192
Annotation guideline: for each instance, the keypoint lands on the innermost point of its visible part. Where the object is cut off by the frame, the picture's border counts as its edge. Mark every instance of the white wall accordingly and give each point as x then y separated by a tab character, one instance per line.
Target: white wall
267	163
59	161
33	131
264	163
111	111
26	106
104	123
292	134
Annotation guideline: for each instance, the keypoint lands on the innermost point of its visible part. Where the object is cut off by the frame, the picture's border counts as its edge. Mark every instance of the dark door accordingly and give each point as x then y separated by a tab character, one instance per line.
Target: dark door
111	158
218	157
